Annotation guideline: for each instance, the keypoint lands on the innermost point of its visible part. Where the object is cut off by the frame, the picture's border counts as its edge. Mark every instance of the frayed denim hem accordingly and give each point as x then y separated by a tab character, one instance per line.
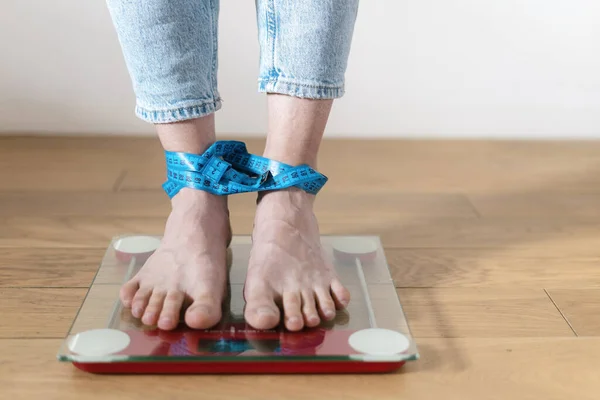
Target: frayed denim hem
177	114
301	90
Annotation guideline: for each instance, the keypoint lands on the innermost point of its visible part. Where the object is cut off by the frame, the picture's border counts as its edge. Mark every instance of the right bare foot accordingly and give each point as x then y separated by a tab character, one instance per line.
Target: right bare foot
189	267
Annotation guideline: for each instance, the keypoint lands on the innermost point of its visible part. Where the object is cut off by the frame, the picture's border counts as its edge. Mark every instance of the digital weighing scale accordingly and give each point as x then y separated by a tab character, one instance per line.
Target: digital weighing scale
370	335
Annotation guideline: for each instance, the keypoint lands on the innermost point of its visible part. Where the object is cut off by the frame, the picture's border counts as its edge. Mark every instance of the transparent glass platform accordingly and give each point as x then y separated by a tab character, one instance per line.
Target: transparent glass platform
373	327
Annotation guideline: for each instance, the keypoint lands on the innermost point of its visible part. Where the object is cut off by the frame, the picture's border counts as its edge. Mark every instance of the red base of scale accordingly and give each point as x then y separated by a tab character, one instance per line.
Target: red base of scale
247	367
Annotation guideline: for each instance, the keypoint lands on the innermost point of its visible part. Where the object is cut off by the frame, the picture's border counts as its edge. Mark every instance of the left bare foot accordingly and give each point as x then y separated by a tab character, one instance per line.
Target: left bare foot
287	266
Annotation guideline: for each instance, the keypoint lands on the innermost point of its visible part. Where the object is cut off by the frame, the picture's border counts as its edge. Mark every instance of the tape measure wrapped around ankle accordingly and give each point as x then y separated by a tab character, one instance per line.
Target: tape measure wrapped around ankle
227	168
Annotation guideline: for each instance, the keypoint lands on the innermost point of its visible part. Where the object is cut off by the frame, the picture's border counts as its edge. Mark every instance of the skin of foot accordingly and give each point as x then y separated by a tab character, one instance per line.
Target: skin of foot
188	271
289	278
288	275
287	267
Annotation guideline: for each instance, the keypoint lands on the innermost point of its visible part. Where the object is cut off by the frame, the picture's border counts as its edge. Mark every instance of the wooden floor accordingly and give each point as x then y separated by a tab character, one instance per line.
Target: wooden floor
494	248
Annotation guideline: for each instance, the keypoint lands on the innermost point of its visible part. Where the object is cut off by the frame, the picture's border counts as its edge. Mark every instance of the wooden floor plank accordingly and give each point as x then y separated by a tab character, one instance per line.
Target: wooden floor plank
48	267
84	203
543	204
58	179
64	267
409	165
73	143
543	235
68	164
452	369
155	203
473	230
75	267
477	312
581	307
430	312
39	312
69	232
501	268
513	168
49	167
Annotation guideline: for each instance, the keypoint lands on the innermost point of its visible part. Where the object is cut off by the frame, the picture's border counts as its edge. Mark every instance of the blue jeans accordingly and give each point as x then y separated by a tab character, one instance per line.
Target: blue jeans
170	49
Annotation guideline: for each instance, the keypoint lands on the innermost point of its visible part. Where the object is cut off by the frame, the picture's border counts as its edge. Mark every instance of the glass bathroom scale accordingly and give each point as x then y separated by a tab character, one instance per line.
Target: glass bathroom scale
370	335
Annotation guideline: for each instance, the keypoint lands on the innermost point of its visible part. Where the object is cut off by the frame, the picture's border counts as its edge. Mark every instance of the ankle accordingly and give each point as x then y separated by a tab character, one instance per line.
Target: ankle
191	200
292	155
289	199
293	158
295	129
190	136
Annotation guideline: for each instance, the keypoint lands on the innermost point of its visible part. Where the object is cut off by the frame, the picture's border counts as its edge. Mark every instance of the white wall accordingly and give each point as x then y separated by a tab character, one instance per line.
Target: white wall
510	68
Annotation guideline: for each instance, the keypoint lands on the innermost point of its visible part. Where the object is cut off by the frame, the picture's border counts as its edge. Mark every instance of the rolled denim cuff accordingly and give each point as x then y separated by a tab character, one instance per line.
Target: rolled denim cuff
299	89
164	116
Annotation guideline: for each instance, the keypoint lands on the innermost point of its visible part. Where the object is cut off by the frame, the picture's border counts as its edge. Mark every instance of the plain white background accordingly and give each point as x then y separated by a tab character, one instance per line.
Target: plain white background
426	68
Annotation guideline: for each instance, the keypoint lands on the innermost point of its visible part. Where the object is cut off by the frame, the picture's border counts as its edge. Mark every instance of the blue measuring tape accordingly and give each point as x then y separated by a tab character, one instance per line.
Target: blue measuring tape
227	168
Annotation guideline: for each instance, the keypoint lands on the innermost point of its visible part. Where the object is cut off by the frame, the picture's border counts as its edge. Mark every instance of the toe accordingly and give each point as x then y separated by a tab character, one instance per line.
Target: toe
169	316
326	304
140	301
292	304
204	313
309	309
341	295
127	292
154	308
261	311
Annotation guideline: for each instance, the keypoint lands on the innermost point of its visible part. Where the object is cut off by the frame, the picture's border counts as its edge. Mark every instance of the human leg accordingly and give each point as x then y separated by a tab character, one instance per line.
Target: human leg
170	49
304	52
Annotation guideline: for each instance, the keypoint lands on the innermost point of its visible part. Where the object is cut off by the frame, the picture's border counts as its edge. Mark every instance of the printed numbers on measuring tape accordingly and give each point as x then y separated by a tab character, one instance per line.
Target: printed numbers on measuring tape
227	168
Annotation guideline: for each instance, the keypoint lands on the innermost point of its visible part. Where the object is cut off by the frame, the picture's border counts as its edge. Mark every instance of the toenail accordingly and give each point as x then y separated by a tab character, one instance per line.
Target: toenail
265	312
329	314
205	310
294	320
165	321
313	319
136	312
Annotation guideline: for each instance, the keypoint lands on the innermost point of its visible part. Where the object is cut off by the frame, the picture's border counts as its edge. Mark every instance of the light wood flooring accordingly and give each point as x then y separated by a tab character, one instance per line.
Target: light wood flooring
494	248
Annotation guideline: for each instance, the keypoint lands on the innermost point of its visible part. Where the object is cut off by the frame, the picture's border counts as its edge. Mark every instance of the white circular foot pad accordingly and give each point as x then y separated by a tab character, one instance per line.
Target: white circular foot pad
99	342
355	246
378	342
137	244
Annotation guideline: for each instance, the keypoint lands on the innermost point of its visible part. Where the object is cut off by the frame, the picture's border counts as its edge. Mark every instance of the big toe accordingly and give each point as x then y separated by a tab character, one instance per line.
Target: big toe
203	314
262	313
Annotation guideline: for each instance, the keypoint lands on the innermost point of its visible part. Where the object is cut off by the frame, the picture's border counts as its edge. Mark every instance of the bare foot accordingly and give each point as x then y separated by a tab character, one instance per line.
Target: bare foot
287	266
189	267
